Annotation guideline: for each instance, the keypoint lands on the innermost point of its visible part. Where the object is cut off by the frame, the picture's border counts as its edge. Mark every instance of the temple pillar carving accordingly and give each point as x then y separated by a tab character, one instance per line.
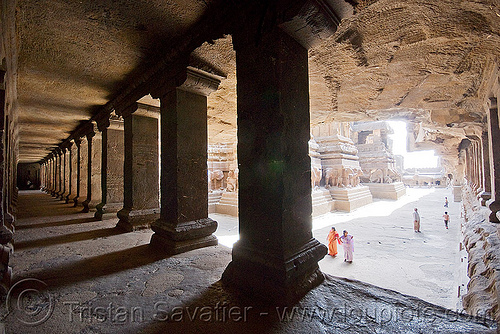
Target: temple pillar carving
84	165
75	172
93	169
64	171
494	152
276	257
112	160
57	189
184	224
141	167
486	194
69	170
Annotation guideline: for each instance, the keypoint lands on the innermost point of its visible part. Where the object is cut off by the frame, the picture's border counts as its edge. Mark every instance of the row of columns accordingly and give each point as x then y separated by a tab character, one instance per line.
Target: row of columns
481	157
276	256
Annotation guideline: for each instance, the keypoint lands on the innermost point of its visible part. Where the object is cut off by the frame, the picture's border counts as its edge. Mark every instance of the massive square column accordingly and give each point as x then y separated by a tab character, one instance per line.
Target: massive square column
141	167
276	257
64	173
93	169
112	160
57	171
84	164
69	170
184	224
494	152
74	171
486	194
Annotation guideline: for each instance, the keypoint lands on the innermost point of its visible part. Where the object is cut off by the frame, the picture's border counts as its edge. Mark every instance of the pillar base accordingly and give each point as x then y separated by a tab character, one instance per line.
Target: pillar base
183	237
132	220
107	211
172	247
75	201
485	196
6	235
89	206
494	206
67	199
9	221
273	279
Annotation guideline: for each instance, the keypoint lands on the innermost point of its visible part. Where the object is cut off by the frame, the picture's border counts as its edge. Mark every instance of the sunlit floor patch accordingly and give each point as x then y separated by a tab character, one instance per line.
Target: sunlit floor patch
379	208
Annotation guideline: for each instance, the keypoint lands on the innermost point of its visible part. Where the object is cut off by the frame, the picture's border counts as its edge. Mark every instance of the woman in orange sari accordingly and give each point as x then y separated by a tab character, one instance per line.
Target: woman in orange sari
333	238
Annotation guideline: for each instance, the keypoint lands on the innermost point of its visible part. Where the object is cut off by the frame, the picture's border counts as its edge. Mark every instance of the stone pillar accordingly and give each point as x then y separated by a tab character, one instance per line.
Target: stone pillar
476	161
276	257
58	173
75	172
486	194
84	166
184	224
42	179
6	234
494	152
62	193
112	161
141	168
69	171
94	192
48	174
53	173
55	166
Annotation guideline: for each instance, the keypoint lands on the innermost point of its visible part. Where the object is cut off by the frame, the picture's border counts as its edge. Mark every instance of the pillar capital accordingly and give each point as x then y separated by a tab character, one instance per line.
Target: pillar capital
190	79
126	111
103	121
108	120
200	82
91	130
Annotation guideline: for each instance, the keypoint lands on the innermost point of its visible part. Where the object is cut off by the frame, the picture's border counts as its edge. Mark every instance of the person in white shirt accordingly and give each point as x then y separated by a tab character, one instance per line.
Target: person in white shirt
416	221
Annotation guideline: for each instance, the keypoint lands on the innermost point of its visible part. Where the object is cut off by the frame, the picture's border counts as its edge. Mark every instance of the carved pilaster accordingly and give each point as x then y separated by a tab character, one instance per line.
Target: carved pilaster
112	162
184	224
141	168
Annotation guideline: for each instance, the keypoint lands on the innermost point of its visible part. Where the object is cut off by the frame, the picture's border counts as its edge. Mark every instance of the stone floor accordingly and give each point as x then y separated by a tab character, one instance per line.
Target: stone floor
388	253
76	275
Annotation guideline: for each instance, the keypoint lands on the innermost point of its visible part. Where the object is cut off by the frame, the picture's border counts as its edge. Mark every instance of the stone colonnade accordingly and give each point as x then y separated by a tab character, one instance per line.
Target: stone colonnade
276	257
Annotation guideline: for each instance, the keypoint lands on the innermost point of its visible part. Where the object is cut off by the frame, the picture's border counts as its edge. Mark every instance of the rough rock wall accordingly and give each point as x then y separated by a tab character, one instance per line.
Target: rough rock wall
482	242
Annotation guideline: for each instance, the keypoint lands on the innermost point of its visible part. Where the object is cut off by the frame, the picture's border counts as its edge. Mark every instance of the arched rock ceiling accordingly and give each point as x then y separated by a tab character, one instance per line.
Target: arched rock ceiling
426	61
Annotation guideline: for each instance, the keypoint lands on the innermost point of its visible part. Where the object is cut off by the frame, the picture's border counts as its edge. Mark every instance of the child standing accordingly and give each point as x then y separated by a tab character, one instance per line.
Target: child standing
446	218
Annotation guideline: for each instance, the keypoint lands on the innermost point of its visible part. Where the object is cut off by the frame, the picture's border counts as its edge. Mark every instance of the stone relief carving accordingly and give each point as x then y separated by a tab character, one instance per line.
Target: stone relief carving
213	177
232	181
316	175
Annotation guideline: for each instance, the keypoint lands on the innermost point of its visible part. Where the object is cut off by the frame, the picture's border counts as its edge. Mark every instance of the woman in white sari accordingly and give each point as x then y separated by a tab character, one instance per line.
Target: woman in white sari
348	244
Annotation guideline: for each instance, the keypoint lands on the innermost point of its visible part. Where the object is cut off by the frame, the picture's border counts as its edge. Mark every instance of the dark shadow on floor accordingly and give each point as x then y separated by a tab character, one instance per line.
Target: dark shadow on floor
67	238
218	310
102	265
57	221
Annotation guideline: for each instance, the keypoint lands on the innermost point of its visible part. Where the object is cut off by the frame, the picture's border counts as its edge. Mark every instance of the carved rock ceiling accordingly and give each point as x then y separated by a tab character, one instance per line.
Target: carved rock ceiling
424	61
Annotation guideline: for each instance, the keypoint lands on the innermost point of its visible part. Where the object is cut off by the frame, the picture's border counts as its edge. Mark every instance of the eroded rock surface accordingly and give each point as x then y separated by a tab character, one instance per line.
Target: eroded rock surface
482	241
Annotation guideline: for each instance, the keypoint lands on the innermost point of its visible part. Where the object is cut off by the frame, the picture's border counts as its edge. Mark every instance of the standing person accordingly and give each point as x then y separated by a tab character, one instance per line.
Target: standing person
348	244
333	238
446	218
416	221
446	202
